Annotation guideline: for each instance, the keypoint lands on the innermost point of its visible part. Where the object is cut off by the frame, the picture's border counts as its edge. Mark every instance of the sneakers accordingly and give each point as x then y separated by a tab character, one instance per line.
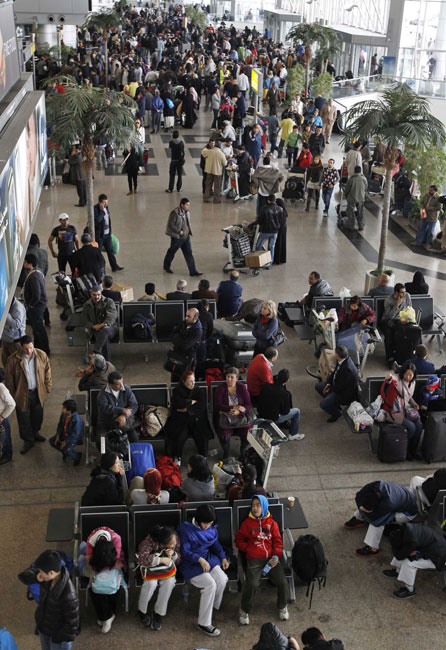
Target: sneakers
297	436
146	619
177	461
106	625
403	592
284	614
390	573
243	618
210	630
156	622
354	522
366	551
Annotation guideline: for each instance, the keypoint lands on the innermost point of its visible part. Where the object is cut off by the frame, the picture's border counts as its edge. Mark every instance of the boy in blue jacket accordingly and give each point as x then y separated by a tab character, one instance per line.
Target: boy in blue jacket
69	431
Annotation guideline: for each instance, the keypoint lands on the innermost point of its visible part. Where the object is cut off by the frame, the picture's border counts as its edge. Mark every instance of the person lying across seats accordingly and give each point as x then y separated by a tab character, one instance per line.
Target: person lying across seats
380	503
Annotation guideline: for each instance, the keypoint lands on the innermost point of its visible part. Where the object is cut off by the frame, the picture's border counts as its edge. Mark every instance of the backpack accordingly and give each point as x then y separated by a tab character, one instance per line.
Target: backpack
213	374
390	394
169	471
309	563
117	441
33	591
153	420
6	640
107	582
142	326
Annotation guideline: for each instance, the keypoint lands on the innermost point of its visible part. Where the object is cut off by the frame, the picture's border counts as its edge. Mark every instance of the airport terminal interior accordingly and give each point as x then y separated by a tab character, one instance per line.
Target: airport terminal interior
40	490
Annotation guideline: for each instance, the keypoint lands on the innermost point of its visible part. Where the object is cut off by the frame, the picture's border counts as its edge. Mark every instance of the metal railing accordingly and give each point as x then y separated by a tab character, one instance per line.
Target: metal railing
378	83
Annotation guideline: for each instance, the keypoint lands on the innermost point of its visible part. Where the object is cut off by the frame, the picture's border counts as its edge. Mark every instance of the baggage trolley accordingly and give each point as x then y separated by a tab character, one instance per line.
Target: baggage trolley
234	192
239	243
298	193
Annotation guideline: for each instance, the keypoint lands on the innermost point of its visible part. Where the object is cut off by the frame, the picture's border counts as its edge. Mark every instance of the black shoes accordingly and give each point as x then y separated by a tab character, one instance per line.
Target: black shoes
26	447
390	573
156	622
168	270
118	268
146	619
332	419
80	205
39	438
196	273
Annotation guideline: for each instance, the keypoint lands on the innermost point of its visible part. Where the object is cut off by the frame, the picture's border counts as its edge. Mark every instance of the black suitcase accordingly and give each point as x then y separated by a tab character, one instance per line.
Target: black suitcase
238	358
406	339
374	186
433	447
236	335
392	443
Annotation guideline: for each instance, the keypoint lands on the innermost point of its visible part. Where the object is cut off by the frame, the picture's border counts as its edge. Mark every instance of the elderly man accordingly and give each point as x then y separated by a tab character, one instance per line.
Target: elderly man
383	288
101	320
215	161
95	375
328	115
180	293
117	407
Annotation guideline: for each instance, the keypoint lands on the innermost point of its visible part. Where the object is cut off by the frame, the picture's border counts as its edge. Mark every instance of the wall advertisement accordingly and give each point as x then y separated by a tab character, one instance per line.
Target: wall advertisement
9	56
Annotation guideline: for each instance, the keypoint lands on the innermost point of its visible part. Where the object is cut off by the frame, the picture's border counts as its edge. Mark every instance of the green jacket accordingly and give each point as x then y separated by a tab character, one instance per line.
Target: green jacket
432	206
292	140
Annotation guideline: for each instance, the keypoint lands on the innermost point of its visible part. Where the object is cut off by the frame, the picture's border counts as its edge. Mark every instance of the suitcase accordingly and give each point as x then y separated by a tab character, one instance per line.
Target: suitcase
347	337
406	339
83	286
392	443
374	186
294	189
238	358
237	335
433	447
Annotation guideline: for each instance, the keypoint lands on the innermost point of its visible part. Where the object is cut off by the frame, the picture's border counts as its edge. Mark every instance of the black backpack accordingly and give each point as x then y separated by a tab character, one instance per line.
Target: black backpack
309	563
294	189
142	327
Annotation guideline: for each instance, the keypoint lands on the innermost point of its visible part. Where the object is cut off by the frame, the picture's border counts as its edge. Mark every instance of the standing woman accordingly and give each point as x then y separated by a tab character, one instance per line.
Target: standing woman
280	247
314	181
233	409
265	327
131	167
7	406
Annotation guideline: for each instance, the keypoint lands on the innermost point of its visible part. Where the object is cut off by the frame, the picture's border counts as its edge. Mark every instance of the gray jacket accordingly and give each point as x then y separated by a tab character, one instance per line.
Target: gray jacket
356	189
15	323
268	180
178	222
391	311
102	312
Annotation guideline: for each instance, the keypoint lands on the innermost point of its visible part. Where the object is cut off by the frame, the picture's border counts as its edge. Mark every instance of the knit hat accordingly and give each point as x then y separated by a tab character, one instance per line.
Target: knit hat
433	382
48	561
108	459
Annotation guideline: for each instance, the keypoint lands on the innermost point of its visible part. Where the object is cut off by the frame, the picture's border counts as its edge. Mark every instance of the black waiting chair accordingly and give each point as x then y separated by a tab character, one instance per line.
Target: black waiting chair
168	314
130	309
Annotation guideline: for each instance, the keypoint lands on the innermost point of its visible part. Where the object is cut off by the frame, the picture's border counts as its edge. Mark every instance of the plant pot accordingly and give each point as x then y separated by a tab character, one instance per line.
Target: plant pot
371	281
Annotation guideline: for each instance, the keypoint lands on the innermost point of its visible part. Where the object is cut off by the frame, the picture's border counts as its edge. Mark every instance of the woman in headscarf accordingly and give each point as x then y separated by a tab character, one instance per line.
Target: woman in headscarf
418	286
188	110
280	247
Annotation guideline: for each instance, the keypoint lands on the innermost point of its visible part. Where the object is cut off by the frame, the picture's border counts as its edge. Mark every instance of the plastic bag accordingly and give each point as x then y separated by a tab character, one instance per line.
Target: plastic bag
408	315
359	415
374	408
345	293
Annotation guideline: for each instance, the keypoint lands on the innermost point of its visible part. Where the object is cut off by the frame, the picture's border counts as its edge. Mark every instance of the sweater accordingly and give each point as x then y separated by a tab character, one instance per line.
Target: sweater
259	372
197	543
7	402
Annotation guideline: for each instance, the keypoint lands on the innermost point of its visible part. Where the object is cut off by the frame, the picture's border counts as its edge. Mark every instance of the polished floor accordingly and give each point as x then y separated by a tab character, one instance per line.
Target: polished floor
324	470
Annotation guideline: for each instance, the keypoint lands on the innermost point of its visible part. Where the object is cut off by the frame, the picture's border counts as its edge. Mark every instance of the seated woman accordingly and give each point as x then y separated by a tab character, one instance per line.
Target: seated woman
199	539
188	417
147	488
249	486
405	410
355	313
418	286
199	484
105	487
158	557
233	399
103	552
265	327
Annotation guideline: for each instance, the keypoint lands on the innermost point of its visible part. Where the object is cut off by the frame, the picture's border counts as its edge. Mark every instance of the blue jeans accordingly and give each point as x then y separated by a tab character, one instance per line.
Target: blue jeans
329	403
47	644
185	245
5	439
326	196
414	431
294	416
69	449
403	207
425	232
271	238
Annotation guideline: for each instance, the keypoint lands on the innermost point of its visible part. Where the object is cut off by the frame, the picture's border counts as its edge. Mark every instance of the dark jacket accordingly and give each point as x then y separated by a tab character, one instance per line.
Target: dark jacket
76	171
418	286
315	173
270	218
177	149
104	489
275	400
418	537
423	366
222	397
263	332
109	408
74	429
34	291
207	323
42	258
178	295
436	482
393	498
57	614
89	259
229	298
344	382
316	144
102	312
99	222
186	340
116	296
321	288
271	638
97	379
381	290
209	294
402	188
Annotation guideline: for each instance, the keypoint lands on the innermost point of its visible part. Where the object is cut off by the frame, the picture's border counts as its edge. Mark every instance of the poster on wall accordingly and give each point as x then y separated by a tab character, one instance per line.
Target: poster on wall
9	56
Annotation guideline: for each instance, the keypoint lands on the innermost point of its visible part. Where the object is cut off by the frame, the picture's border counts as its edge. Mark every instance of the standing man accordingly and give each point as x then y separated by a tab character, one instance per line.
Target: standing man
100	318
273	99
77	175
14	329
316	142
215	161
67	243
328	115
187	337
176	147
431	206
355	192
103	230
157	112
36	301
28	379
179	230
329	179
254	144
268	179
269	220
353	158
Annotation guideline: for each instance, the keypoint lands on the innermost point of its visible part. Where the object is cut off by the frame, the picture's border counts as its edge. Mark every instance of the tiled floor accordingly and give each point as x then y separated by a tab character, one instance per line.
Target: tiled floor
324	470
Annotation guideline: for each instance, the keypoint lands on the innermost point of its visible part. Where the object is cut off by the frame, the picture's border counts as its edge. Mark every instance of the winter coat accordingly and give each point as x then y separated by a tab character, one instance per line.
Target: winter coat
76	171
393	498
34	291
57	614
99	221
89	259
263	332
316	144
104	489
268	180
97	379
72	431
178	222
270	218
15	324
215	160
347	316
109	408
259	538
196	543
418	537
149	552
315	173
275	400
344	382
16	377
432	206
356	188
103	311
436	482
229	298
185	339
320	288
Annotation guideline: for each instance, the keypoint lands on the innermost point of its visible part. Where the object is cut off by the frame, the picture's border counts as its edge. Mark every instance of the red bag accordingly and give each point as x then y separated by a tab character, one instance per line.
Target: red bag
169	471
389	393
146	156
213	374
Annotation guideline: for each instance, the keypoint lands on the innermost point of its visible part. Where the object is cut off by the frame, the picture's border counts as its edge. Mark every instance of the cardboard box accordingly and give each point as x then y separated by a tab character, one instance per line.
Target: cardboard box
257	259
125	290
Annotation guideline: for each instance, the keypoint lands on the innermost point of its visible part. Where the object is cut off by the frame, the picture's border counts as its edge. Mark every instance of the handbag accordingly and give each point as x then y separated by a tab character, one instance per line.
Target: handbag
412	414
176	361
311	185
278	338
229	421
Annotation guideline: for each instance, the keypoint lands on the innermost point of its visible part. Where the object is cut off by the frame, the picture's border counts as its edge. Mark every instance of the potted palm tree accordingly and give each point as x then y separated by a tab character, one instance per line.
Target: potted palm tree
400	118
90	115
103	21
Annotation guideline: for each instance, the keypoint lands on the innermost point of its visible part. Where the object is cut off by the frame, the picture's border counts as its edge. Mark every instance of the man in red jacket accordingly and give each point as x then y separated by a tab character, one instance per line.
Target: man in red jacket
260	539
259	372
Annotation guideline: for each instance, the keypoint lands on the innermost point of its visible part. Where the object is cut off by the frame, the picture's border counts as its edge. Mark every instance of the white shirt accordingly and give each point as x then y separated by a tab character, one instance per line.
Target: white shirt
30	365
106	221
7	403
243	82
115	393
141	132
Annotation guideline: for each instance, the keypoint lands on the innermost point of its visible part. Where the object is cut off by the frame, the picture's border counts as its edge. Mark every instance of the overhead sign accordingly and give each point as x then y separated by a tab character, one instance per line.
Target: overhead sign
9	57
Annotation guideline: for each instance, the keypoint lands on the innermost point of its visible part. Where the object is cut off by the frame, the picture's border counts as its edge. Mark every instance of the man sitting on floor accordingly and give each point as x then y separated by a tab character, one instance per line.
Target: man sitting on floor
341	387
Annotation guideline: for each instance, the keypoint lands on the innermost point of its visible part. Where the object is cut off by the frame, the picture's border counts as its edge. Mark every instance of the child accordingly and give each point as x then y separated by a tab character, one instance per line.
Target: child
150	294
430	392
69	431
260	539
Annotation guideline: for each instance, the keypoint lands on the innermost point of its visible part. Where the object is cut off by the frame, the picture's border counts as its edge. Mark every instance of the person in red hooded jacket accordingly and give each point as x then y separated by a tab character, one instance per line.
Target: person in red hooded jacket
260	539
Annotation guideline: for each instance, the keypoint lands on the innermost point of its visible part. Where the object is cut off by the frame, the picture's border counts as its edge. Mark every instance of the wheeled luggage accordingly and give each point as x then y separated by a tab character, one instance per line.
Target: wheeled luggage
83	286
236	335
406	339
238	358
294	189
392	443
433	447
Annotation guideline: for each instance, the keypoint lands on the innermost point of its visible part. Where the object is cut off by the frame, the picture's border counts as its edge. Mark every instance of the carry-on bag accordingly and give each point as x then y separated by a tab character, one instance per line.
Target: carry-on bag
406	338
237	335
433	447
392	443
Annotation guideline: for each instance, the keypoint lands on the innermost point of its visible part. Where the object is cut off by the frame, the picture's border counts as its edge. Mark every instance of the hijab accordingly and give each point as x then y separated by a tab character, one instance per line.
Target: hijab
418	284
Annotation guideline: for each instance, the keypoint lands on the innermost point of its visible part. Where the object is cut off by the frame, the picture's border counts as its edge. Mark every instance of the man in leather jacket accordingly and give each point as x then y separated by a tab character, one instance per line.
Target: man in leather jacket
269	220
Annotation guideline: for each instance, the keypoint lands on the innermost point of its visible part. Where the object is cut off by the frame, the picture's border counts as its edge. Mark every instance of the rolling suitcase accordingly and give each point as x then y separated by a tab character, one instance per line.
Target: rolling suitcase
238	358
237	335
433	447
392	443
407	337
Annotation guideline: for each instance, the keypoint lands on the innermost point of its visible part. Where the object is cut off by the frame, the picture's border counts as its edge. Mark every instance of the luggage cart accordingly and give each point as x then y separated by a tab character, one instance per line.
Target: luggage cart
234	192
239	243
265	438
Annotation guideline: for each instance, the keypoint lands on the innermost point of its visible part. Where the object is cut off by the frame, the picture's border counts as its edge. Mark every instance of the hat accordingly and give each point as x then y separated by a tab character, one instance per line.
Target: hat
49	561
63	215
433	382
99	362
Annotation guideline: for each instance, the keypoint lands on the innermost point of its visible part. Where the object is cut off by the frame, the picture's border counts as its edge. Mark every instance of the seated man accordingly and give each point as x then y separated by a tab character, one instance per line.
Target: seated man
318	287
383	288
69	432
151	295
415	546
395	303
204	291
275	403
380	503
229	296
260	539
107	291
423	366
259	373
101	320
341	387
116	407
95	375
180	293
312	638
186	339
